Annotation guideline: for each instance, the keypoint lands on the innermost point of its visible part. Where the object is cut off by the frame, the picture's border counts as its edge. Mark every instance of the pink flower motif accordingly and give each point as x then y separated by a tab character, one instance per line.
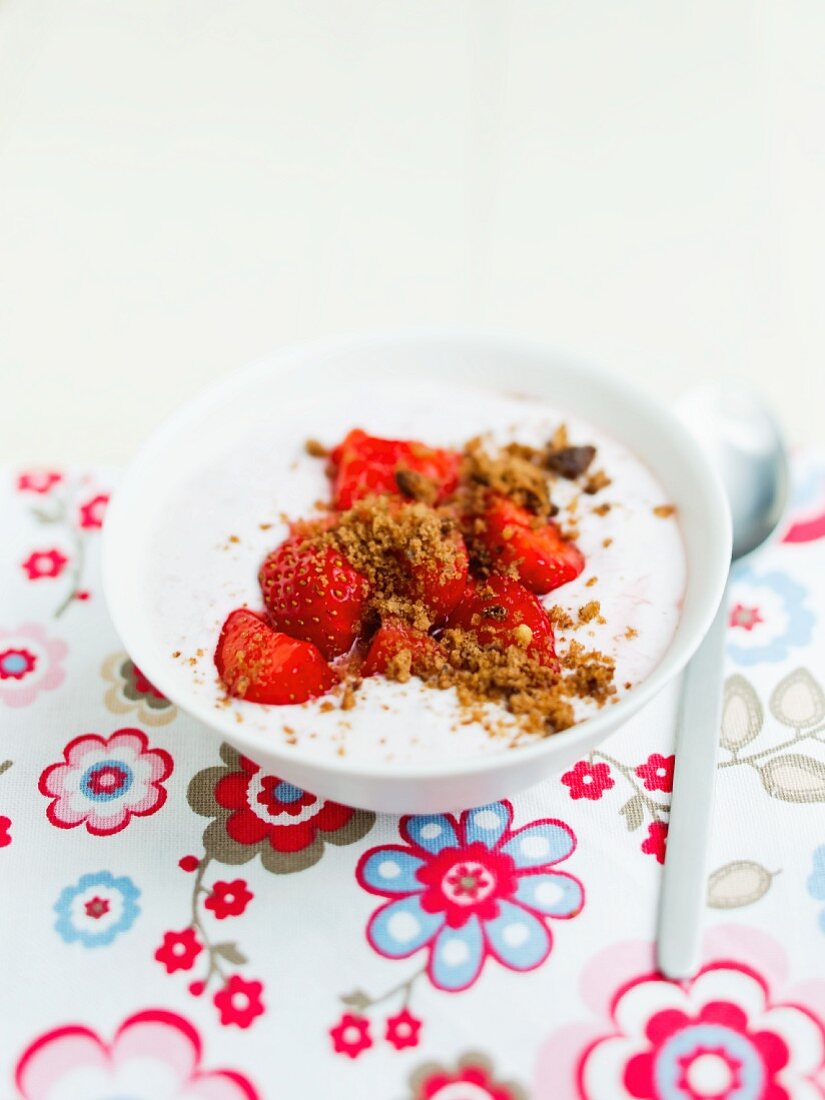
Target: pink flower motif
720	1035
38	481
239	1002
656	841
351	1035
5	834
148	1049
44	563
103	783
93	511
402	1030
588	780
30	662
470	889
657	772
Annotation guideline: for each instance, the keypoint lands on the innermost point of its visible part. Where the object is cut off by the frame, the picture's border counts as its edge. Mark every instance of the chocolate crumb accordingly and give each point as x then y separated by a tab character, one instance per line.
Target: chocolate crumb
570	462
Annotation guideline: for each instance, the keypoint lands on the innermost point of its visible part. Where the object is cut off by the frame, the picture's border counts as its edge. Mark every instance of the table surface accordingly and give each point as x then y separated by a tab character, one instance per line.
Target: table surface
178	924
185	186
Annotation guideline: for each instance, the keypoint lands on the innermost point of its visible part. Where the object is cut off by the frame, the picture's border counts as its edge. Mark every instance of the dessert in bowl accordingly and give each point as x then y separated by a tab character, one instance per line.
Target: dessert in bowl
415	573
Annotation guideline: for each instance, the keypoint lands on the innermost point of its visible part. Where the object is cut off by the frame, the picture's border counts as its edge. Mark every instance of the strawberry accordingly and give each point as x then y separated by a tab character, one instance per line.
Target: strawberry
258	664
392	639
313	593
544	559
364	464
497	610
440	587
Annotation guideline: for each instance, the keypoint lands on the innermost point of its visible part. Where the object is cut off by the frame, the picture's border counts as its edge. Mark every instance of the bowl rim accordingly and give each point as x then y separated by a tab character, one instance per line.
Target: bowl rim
681	648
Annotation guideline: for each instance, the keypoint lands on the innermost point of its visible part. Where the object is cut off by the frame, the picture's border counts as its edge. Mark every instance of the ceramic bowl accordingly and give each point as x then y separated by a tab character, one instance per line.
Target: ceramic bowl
191	439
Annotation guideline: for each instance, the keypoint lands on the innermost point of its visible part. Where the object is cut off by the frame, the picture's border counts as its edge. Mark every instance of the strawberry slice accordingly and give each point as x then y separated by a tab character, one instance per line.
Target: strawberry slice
364	464
313	593
439	587
501	612
258	664
543	557
393	639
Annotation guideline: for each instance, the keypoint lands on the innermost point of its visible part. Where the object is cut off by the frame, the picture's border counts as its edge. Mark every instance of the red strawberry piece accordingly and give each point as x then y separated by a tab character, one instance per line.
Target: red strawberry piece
260	665
391	639
544	559
364	464
313	593
439	587
497	610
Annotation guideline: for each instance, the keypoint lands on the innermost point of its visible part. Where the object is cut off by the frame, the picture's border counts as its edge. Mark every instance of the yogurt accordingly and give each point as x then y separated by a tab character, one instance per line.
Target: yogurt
214	533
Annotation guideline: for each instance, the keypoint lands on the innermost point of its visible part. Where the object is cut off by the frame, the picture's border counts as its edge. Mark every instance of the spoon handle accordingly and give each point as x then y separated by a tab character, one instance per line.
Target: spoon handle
684	888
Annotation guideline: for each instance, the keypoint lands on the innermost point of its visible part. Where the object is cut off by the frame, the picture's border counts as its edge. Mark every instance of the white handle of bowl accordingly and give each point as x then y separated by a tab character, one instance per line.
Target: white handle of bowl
684	885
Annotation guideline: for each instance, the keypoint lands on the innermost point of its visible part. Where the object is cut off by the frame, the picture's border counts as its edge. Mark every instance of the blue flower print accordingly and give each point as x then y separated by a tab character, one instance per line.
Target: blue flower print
96	909
816	881
768	617
467	889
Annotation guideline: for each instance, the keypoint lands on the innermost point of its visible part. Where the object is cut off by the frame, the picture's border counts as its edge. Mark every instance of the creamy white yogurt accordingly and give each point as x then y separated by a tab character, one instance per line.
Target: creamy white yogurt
197	571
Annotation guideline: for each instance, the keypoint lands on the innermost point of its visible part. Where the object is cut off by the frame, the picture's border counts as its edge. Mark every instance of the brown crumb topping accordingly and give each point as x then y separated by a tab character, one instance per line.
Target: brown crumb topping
315	449
591	582
414	486
590	611
664	511
602	509
596	482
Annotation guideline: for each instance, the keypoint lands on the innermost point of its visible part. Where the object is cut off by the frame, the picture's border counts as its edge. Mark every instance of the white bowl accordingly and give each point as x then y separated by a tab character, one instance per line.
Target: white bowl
190	438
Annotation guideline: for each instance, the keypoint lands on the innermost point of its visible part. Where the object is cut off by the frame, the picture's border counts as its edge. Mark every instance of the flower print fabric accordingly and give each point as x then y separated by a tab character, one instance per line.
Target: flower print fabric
103	782
468	889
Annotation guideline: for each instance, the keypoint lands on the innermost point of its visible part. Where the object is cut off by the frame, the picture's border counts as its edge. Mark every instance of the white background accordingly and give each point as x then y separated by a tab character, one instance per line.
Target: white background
186	184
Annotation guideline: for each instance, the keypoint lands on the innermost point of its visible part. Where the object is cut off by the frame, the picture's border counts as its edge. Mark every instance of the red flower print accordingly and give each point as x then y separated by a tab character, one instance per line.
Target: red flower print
44	563
467	882
179	950
402	1029
5	835
654	845
588	780
38	481
229	899
476	1079
745	617
97	907
239	1002
351	1035
145	686
657	772
189	863
104	782
92	512
16	663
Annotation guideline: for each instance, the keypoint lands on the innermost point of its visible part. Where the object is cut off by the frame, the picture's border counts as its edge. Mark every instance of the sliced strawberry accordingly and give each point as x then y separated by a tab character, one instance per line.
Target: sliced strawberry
364	464
498	610
543	557
313	593
258	664
439	587
391	639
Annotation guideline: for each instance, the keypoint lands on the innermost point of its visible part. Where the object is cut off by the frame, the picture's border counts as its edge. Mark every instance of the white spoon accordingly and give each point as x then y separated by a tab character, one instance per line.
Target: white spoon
746	445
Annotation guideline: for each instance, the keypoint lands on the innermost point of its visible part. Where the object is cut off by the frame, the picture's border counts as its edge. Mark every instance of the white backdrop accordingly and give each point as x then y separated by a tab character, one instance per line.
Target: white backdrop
185	184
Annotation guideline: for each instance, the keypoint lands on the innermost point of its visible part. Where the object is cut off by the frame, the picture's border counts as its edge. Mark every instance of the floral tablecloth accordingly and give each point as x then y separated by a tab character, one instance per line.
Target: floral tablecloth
175	922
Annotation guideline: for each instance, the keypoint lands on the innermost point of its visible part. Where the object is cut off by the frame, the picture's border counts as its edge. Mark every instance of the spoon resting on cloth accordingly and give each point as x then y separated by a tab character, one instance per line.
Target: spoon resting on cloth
746	446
